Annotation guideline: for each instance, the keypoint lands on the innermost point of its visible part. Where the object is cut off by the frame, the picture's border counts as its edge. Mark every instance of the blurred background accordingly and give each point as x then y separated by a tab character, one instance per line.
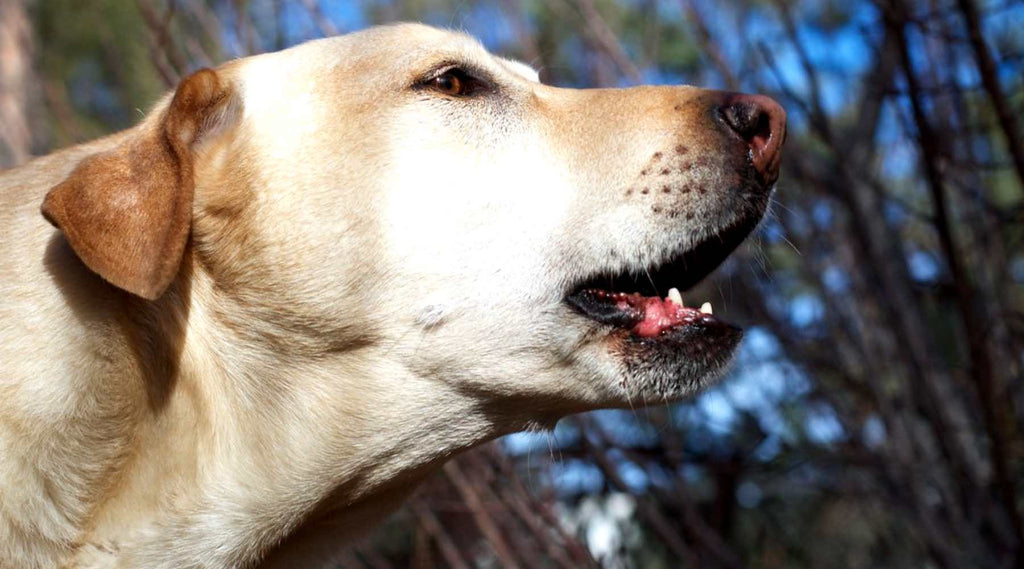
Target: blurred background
875	415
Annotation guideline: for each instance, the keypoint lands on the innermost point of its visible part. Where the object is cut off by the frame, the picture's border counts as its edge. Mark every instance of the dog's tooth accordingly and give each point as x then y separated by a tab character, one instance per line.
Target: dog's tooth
706	308
674	296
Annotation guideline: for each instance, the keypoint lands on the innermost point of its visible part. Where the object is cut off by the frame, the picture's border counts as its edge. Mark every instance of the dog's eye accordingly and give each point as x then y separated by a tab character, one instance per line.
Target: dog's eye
449	83
455	83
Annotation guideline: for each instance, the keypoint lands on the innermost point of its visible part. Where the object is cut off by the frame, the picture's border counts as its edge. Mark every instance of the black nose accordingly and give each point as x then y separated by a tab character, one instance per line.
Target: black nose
761	123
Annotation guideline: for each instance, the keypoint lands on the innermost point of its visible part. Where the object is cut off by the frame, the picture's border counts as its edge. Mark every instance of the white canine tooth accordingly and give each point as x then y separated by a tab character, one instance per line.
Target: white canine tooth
674	296
706	308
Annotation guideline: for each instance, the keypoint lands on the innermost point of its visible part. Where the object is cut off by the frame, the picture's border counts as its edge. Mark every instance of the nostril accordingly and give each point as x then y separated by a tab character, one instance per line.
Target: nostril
747	120
761	123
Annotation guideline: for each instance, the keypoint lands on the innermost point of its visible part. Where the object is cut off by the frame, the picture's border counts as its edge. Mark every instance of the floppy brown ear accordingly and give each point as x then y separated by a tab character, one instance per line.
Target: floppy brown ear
127	212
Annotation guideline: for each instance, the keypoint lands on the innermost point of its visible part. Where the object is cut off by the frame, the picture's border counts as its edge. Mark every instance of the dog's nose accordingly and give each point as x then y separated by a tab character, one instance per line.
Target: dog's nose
761	123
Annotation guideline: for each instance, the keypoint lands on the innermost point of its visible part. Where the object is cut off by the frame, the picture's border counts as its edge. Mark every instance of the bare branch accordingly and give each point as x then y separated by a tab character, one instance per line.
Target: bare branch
428	521
483	518
607	41
990	78
323	23
993	408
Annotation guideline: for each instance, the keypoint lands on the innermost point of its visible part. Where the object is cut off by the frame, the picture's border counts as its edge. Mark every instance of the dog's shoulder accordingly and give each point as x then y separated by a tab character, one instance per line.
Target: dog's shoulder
53	341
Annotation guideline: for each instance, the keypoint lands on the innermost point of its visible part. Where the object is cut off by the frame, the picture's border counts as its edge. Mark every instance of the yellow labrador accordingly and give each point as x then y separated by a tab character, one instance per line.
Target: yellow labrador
247	327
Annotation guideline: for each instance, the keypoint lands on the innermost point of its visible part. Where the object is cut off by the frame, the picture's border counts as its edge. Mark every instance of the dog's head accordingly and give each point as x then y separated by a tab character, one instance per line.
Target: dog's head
403	193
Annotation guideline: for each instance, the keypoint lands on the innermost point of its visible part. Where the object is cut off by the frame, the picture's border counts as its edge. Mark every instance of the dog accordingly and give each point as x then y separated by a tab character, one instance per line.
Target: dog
246	328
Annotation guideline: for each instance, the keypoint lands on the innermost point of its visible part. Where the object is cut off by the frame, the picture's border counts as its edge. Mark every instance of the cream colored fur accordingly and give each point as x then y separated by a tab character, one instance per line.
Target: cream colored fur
373	283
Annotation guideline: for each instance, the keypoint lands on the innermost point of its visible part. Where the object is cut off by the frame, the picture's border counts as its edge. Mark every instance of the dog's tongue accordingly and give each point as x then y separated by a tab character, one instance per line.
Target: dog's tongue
661	314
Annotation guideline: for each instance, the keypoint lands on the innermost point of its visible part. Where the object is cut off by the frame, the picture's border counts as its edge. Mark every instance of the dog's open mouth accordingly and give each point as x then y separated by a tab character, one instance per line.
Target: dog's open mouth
650	304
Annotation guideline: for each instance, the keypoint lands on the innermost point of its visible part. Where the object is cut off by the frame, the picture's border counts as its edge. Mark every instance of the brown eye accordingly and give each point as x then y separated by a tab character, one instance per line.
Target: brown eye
450	84
455	82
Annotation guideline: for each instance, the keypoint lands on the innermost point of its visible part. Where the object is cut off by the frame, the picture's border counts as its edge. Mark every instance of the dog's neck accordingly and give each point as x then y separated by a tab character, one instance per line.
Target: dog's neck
201	472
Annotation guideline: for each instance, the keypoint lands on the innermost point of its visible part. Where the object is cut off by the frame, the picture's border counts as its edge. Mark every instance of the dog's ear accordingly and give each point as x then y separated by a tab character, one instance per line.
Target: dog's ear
127	212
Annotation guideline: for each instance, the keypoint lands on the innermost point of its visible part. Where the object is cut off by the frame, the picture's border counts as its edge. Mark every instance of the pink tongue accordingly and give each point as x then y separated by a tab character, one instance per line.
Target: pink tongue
660	315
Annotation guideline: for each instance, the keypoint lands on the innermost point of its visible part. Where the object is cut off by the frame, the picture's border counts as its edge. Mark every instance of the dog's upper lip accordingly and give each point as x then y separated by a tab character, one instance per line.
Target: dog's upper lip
682	270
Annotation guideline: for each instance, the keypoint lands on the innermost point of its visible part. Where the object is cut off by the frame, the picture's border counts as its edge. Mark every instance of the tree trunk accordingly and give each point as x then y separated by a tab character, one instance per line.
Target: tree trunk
15	83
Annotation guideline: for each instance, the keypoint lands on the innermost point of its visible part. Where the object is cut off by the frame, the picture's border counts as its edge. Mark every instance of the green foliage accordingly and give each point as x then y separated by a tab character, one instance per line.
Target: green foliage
95	63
